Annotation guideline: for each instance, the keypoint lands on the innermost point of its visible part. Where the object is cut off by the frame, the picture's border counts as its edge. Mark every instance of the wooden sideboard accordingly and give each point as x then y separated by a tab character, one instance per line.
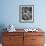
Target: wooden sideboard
23	38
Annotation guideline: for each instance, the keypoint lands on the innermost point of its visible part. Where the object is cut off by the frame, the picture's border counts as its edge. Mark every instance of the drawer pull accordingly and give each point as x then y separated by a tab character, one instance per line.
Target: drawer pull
10	38
33	39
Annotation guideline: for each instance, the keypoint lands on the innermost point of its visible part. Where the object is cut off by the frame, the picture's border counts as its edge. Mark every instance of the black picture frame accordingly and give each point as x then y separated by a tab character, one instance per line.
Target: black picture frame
26	13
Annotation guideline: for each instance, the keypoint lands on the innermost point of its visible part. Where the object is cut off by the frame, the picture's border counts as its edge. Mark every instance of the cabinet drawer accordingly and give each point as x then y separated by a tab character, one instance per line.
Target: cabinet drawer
12	39
13	33
20	44
34	33
8	45
37	39
37	44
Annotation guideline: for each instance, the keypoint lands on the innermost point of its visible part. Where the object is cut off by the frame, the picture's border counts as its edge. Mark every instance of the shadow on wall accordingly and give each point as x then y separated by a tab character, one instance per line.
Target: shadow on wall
2	26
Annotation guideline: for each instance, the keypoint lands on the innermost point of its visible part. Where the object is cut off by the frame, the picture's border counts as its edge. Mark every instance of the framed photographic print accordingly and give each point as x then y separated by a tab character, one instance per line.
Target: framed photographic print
26	13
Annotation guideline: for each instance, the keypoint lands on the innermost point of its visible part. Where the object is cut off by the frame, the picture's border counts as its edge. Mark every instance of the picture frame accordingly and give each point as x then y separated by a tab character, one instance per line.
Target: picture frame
26	13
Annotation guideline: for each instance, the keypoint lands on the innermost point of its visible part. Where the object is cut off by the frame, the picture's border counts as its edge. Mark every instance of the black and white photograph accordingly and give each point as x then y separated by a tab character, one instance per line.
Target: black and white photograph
26	13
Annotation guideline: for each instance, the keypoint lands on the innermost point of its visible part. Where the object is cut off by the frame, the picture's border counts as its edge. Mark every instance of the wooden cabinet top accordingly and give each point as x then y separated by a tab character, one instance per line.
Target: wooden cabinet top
24	33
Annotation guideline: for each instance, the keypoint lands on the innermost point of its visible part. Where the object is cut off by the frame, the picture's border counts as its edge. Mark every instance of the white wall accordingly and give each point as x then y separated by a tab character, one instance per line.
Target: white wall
10	13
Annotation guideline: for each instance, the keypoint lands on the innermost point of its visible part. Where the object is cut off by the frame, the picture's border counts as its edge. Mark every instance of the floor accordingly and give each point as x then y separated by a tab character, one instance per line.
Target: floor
0	44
